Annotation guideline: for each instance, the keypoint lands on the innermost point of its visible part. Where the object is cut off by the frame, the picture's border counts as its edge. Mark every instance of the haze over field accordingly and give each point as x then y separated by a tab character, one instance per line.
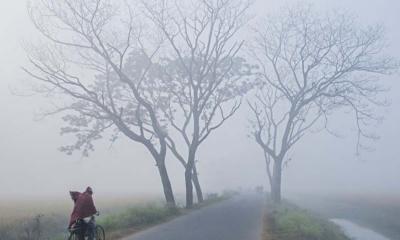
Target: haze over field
32	166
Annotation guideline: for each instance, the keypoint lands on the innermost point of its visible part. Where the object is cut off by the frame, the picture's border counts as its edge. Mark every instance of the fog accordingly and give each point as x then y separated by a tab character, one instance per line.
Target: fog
31	165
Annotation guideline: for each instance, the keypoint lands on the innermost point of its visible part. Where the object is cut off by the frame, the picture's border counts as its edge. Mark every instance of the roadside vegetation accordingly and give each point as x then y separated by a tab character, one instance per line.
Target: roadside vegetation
139	217
135	218
117	217
289	222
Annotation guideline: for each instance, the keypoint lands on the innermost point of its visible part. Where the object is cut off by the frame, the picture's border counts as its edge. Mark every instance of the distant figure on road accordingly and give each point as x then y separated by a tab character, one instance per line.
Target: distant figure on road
83	208
259	189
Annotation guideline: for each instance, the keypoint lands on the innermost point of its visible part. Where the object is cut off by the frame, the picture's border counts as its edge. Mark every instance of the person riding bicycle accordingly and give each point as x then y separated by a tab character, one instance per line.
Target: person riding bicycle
83	208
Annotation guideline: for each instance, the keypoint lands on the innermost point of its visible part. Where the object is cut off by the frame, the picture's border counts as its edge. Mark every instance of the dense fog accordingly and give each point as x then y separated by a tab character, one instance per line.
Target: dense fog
32	165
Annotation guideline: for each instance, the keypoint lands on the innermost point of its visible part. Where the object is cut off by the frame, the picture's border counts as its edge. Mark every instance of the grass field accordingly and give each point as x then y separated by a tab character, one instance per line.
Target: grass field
43	220
20	209
48	219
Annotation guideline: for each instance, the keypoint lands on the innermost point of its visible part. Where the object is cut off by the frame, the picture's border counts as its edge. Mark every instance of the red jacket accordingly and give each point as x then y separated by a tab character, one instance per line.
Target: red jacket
84	206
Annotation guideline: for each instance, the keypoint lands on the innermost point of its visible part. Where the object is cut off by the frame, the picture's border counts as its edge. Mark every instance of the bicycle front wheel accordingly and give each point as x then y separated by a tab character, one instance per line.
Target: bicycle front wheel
100	233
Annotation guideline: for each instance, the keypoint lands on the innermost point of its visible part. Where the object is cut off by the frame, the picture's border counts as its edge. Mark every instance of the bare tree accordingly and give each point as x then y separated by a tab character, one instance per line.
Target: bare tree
95	62
310	67
205	76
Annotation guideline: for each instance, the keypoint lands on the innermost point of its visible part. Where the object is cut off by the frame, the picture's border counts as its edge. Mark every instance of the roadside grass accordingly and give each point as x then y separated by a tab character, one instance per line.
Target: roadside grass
289	222
34	228
137	218
119	217
47	218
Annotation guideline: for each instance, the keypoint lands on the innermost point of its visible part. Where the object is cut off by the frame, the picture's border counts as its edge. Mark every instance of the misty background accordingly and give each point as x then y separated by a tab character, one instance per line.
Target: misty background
31	165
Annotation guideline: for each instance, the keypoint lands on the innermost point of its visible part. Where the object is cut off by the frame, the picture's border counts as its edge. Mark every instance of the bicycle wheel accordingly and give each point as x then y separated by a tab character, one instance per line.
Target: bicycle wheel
100	233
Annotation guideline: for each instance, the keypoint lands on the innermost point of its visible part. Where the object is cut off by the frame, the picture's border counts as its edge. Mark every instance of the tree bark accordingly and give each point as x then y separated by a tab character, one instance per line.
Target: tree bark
197	186
268	168
168	193
276	182
189	174
189	186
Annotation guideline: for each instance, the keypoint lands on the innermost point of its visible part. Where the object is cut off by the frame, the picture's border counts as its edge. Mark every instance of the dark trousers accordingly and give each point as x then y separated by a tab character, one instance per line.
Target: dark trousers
87	228
91	230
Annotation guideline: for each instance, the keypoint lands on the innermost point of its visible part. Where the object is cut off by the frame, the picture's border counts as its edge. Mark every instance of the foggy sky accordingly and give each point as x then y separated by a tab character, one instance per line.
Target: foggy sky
31	165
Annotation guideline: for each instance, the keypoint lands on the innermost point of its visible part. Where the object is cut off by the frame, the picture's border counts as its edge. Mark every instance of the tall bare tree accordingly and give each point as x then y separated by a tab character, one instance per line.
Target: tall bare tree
206	77
310	67
94	61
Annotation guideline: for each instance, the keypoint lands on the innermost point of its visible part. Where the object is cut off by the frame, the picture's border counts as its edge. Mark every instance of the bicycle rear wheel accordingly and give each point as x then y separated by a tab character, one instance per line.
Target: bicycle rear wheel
100	233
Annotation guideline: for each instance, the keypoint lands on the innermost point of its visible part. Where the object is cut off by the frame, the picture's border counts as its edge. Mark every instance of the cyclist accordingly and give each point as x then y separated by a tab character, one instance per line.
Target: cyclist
83	208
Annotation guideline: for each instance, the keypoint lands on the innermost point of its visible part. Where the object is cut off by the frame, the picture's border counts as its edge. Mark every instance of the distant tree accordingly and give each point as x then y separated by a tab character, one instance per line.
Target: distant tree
205	76
96	62
310	67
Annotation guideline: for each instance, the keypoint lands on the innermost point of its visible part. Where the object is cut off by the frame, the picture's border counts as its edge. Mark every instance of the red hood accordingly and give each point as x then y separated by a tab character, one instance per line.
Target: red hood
84	207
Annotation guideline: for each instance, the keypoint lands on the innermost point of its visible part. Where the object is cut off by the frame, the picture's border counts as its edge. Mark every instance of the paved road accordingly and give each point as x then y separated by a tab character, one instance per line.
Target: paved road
239	218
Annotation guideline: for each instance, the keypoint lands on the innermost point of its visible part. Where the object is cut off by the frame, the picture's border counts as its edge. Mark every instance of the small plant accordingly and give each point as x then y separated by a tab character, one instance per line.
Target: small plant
32	230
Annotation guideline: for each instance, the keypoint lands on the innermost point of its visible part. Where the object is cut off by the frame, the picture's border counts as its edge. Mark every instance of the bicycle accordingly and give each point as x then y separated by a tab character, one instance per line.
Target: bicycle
75	231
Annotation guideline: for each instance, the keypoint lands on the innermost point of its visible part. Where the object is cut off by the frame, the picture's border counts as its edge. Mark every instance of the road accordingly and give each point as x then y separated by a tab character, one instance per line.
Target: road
239	218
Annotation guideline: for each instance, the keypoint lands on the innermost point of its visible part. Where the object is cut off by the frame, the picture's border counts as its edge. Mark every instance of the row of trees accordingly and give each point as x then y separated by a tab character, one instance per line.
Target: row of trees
167	74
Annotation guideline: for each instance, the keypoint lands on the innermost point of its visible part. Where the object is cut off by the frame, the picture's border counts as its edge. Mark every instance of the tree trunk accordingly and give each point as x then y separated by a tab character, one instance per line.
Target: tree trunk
268	168
197	186
189	175
168	193
276	182
189	186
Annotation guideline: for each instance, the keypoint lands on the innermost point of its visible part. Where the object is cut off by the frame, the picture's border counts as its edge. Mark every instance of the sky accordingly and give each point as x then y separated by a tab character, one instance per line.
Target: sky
31	165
